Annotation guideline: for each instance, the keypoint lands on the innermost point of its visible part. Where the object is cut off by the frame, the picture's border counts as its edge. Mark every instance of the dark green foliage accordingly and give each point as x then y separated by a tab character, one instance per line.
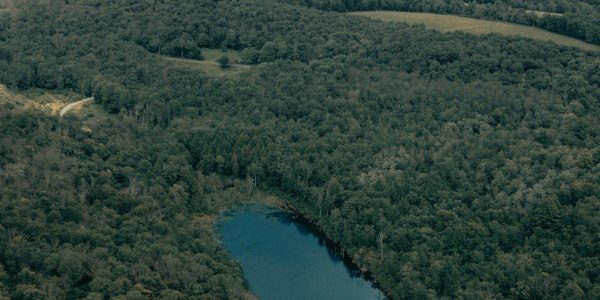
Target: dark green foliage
448	165
577	19
77	224
224	62
249	56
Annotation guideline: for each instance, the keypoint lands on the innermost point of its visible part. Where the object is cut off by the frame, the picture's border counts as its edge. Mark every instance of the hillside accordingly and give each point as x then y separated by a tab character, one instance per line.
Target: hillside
448	23
576	19
448	165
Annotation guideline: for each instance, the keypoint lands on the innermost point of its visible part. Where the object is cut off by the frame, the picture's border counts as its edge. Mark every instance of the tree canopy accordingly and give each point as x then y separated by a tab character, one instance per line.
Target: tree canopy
448	165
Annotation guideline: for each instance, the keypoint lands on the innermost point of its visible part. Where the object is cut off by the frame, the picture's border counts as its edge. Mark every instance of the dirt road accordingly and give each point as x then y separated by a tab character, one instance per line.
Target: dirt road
75	105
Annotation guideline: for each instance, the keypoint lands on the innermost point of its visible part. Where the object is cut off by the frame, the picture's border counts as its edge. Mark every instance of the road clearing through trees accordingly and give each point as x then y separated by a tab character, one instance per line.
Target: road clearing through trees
75	105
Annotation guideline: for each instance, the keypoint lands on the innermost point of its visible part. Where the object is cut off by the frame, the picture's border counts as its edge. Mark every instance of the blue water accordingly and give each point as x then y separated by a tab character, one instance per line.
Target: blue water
283	260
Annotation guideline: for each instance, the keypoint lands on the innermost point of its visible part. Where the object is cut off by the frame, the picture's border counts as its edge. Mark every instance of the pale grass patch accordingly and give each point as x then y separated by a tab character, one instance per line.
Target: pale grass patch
209	65
52	104
448	23
47	102
543	13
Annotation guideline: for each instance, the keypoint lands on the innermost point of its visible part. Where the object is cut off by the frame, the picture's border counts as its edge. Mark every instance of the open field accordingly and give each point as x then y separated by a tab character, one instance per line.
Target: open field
213	54
447	23
209	65
91	113
51	103
8	6
543	13
47	102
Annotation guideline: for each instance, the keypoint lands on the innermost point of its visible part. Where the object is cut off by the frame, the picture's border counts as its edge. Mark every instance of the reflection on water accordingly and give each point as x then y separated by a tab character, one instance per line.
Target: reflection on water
283	259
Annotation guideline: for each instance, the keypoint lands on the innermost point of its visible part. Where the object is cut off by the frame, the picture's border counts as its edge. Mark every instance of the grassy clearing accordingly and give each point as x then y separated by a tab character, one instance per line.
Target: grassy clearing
447	23
8	6
36	100
213	54
92	115
93	110
210	66
52	103
543	13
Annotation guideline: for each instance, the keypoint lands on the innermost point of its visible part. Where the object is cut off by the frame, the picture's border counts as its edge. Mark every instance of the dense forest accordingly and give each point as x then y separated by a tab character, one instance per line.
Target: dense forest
578	19
95	214
448	165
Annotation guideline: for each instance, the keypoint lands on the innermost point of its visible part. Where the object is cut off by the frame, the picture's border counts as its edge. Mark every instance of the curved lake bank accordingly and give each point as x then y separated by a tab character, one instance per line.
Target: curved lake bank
284	259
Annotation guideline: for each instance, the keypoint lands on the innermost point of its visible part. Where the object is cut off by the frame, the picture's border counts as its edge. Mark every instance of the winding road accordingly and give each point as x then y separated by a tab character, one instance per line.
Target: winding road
75	105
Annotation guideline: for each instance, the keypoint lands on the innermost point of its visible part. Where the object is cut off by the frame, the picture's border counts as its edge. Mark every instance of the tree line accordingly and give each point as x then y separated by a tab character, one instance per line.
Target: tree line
578	19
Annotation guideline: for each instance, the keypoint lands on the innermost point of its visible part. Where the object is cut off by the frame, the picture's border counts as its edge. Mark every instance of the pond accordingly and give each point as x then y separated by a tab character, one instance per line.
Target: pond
283	259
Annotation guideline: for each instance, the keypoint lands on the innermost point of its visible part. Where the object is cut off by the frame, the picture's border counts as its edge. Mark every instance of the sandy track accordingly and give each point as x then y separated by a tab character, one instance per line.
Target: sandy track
75	105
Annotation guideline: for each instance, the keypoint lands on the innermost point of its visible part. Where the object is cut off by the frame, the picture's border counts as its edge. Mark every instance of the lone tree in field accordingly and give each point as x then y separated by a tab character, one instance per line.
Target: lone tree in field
224	62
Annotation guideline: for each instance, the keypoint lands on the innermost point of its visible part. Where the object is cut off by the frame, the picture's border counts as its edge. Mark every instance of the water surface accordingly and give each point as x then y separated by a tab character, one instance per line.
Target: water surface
282	259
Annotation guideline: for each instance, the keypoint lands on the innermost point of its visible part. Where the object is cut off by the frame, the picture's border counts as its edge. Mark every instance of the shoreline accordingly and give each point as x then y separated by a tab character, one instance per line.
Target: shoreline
333	247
